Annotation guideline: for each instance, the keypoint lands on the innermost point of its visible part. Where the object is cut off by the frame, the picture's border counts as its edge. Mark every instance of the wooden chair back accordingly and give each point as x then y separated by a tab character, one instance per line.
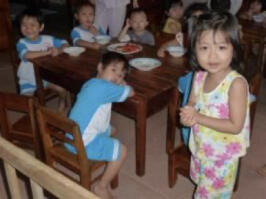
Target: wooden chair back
53	128
23	131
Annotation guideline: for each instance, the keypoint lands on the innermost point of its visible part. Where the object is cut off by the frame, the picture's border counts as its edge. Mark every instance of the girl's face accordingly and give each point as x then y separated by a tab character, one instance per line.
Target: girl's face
85	16
114	72
214	53
255	7
31	28
176	12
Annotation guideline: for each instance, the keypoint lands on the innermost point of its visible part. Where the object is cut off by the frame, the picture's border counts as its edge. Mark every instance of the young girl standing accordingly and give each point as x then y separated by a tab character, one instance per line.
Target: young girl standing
218	108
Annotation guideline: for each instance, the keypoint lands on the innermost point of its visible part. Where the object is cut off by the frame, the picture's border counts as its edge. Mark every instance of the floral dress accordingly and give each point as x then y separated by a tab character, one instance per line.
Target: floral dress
215	154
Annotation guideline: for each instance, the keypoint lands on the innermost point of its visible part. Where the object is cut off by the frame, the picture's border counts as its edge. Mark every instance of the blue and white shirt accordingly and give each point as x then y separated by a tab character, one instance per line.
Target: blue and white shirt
25	71
92	109
84	34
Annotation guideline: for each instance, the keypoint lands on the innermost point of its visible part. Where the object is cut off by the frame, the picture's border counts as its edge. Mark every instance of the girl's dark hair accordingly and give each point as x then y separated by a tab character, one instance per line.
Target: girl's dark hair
174	3
220	5
33	13
111	57
136	11
216	21
194	8
82	4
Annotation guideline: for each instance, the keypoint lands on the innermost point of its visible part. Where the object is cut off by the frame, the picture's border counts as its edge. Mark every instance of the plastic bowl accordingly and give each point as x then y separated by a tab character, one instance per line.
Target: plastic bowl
102	39
258	18
74	50
176	51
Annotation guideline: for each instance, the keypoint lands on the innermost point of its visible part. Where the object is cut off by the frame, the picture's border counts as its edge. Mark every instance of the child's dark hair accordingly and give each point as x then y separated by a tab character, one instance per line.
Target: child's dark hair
220	5
111	57
137	11
32	13
216	21
194	7
82	4
173	4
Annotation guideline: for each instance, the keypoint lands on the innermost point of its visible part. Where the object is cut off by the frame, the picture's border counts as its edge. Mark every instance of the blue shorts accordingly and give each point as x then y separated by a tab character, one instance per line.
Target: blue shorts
101	148
29	88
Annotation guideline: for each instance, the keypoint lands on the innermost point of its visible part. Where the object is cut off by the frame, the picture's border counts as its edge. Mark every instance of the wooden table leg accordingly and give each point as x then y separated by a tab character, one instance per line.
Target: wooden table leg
171	119
141	121
39	85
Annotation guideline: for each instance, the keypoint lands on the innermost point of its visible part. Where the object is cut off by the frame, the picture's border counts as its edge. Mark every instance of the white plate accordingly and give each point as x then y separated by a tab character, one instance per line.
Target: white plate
74	50
145	64
118	47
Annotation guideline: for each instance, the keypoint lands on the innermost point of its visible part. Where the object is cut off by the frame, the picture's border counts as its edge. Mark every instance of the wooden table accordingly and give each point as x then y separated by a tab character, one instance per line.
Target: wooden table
154	89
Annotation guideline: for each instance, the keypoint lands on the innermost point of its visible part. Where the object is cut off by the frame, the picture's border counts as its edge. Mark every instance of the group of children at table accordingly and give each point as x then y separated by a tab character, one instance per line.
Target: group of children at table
217	110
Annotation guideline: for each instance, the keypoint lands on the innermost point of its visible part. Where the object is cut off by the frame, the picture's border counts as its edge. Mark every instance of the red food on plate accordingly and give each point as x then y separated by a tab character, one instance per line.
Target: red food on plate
128	48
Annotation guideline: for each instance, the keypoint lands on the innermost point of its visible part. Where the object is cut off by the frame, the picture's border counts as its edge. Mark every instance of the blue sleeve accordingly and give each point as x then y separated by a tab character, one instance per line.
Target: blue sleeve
113	93
151	39
75	36
22	50
101	31
58	42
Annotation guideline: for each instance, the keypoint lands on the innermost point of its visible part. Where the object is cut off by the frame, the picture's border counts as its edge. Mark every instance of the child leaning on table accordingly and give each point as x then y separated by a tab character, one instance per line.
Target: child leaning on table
218	107
83	35
92	112
138	22
174	13
34	45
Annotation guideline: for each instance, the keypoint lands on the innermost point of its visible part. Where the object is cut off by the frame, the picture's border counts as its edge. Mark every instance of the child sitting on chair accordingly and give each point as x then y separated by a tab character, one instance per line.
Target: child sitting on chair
92	112
83	35
138	22
174	13
34	45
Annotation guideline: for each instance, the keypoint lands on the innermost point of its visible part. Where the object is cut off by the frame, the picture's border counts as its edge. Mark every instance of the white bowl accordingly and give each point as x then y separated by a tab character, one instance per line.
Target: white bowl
258	18
176	51
74	50
102	39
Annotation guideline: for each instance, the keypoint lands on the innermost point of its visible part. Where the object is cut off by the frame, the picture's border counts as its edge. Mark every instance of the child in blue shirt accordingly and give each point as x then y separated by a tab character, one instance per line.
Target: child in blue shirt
92	113
83	35
34	45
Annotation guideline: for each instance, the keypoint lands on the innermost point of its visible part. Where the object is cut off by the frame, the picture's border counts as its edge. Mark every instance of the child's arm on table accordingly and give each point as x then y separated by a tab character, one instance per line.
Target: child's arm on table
123	32
92	45
238	95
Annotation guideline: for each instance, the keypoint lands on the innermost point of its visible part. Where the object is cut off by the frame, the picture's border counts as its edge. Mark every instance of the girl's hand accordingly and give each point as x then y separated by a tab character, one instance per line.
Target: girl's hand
188	114
187	121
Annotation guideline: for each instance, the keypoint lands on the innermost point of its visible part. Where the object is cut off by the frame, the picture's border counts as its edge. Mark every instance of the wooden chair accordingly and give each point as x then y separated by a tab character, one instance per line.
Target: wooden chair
53	128
23	131
179	157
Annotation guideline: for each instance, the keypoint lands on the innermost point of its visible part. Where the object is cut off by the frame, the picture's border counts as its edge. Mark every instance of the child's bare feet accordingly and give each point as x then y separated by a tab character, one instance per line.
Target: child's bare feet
102	191
262	171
